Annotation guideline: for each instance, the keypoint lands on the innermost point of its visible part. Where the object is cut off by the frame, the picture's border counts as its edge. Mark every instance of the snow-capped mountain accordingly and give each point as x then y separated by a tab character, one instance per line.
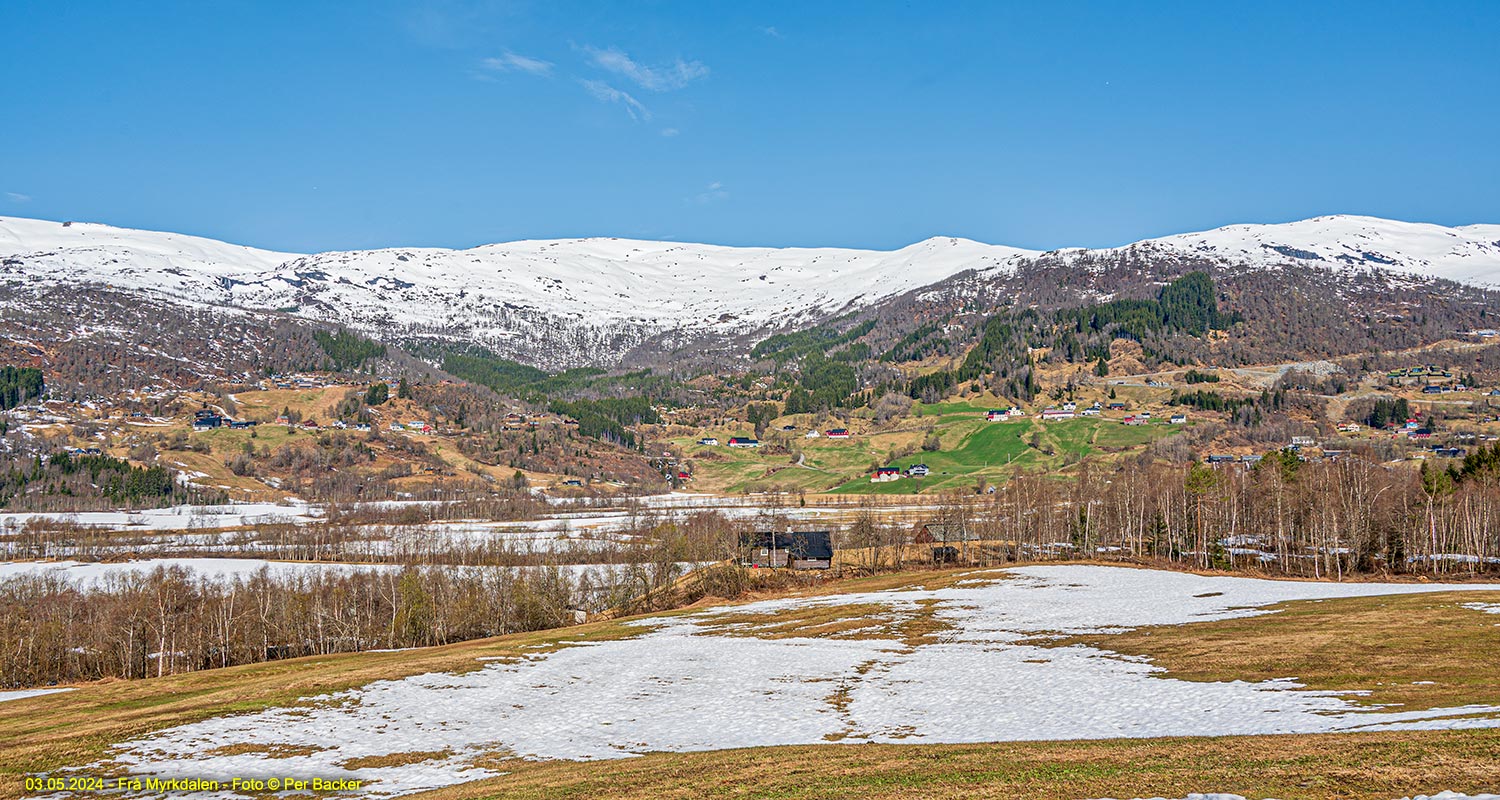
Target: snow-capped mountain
591	301
1468	254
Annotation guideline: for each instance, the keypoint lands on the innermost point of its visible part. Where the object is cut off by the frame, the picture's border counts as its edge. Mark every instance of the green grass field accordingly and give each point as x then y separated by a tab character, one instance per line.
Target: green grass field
972	448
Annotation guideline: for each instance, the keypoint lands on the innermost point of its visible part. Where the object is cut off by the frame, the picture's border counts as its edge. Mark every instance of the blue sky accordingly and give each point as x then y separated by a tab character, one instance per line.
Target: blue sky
331	125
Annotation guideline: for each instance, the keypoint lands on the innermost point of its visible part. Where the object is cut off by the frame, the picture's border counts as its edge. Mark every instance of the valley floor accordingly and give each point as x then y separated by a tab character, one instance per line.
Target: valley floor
927	672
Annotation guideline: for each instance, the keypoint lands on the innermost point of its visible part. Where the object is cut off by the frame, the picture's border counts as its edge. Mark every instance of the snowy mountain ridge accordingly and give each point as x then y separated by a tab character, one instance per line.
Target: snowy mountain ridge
1469	254
592	300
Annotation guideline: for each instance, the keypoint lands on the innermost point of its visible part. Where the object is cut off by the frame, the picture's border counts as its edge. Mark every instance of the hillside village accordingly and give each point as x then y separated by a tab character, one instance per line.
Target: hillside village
1414	414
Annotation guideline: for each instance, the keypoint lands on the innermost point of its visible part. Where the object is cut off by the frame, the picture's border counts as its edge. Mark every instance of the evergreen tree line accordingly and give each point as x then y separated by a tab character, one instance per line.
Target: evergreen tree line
822	339
348	350
85	482
822	383
1002	355
608	418
19	385
1205	400
915	345
487	369
1186	305
1388	411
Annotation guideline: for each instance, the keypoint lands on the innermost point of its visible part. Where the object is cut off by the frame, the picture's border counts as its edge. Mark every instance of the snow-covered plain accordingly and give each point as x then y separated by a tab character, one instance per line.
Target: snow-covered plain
86	574
687	684
195	530
172	518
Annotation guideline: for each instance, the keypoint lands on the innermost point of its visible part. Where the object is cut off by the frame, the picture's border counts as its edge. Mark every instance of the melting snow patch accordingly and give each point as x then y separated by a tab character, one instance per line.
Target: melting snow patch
1213	796
91	574
684	684
22	693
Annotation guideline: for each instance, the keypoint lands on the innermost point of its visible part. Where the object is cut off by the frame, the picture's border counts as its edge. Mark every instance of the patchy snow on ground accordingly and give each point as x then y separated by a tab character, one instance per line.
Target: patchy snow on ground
685	684
18	694
1488	608
232	515
84	574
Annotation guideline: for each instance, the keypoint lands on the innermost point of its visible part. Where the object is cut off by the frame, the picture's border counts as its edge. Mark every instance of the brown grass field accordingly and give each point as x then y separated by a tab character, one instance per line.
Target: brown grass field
1388	646
1368	766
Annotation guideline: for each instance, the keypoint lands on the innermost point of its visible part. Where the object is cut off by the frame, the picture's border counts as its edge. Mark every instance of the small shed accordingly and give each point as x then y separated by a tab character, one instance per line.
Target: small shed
942	533
794	549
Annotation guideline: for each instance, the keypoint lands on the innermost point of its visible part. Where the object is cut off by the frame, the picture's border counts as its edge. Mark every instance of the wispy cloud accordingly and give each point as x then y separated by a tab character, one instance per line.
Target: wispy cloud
771	31
669	132
454	24
667	78
714	192
17	197
515	62
609	94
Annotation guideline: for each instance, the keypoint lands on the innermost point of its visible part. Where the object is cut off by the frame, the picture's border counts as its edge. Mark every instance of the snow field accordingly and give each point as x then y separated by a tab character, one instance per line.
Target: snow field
685	684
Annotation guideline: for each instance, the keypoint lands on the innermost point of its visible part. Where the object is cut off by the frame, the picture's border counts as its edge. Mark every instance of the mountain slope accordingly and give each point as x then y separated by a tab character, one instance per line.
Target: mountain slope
140	258
560	303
